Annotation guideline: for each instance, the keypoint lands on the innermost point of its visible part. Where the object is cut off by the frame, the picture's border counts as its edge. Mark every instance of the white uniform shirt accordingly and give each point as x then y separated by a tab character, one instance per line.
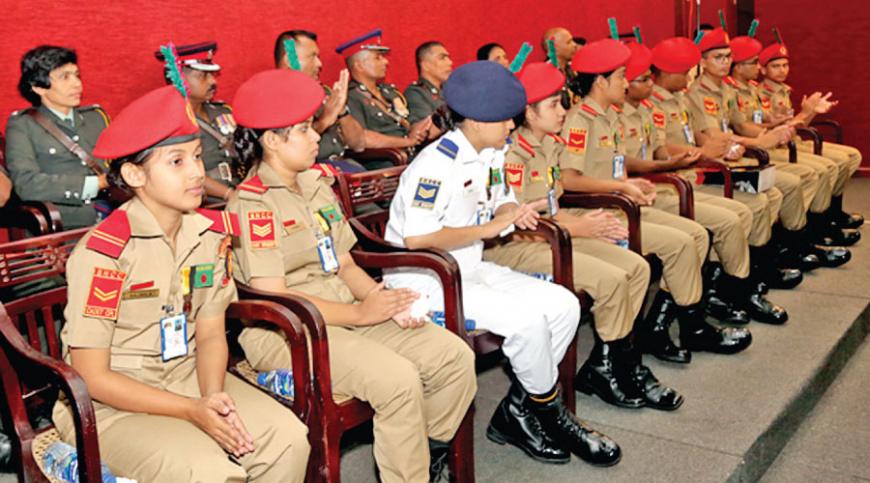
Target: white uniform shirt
449	184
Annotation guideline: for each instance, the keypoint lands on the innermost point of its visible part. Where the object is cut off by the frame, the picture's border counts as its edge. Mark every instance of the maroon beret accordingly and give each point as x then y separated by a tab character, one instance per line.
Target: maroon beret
676	55
601	56
541	81
277	98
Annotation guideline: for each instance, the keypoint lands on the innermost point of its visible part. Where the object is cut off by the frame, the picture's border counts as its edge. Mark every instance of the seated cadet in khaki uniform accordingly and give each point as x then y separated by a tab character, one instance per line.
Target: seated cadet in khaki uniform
495	53
714	104
672	59
380	108
215	118
452	197
418	377
148	288
617	279
41	167
733	288
776	102
424	95
339	131
594	161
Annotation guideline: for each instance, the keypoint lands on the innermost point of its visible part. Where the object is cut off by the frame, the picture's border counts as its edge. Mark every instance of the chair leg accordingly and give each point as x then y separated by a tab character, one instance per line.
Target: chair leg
461	459
325	461
567	370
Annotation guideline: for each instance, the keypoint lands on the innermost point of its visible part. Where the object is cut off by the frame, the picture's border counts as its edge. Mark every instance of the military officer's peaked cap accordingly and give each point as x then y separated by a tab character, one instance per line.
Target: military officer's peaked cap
369	41
601	56
196	56
744	48
638	62
675	55
773	52
159	118
484	91
276	99
541	80
714	39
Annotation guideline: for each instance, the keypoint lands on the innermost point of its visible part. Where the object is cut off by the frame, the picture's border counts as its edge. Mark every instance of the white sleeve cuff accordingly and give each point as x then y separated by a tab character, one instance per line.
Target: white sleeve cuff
91	188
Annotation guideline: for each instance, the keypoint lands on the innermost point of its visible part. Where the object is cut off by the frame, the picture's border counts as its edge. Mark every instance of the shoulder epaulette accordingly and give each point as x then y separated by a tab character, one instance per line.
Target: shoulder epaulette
111	235
589	109
616	108
326	170
99	110
647	104
753	83
730	81
253	185
222	221
557	138
658	96
448	148
221	104
525	145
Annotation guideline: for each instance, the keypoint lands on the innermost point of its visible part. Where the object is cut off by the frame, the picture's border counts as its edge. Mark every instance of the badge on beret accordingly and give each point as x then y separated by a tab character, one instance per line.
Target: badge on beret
261	227
576	140
104	295
425	194
659	119
514	174
710	106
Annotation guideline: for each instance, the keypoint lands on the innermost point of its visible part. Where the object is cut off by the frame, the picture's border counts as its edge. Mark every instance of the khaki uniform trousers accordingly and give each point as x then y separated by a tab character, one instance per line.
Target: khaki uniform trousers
729	221
615	278
154	448
420	383
825	170
763	206
847	159
792	213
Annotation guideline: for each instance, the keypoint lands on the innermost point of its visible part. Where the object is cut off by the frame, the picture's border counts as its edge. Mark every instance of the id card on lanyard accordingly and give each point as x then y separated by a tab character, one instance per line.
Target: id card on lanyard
325	245
687	130
553	175
173	327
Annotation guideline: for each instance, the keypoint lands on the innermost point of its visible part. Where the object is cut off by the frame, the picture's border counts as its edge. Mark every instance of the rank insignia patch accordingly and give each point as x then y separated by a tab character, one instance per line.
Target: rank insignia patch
426	192
104	295
262	229
576	140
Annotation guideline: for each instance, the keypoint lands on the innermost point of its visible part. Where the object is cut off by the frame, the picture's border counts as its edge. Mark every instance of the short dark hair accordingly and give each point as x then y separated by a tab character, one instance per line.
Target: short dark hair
581	84
423	50
290	34
37	64
484	51
580	40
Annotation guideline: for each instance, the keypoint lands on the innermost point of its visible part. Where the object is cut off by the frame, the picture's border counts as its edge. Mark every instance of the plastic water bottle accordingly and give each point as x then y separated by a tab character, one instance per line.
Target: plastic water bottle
279	381
542	276
61	462
438	318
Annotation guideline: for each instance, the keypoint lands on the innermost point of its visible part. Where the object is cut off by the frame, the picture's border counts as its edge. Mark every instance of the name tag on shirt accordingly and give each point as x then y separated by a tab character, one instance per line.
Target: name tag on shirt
173	336
618	166
326	251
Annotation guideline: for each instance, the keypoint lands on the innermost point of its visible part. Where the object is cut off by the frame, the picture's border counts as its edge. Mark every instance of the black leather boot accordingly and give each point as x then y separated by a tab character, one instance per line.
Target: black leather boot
514	423
840	218
657	395
439	452
826	234
654	333
5	453
604	375
765	268
716	305
829	255
563	427
759	308
697	335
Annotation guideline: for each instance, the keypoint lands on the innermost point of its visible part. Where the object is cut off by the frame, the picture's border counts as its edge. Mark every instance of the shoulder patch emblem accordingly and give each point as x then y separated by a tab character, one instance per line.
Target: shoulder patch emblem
261	227
659	119
104	295
576	140
426	193
514	175
711	107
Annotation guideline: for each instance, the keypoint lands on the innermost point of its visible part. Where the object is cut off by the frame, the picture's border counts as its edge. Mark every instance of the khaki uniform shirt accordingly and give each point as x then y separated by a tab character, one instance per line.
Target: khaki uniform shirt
532	166
595	140
714	107
642	139
748	101
280	230
774	95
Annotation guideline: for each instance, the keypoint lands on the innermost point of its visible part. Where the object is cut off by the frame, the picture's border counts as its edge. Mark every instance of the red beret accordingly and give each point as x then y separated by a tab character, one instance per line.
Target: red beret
275	99
599	57
744	48
639	62
676	55
158	118
773	52
541	81
714	39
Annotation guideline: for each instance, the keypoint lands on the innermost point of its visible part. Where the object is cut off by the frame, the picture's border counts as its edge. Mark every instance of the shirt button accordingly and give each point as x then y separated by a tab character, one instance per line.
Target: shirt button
52	150
84	163
380	114
67	194
75	138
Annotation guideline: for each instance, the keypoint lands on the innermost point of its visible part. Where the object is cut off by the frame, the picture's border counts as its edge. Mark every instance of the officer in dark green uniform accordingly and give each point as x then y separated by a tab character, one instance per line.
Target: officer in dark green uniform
339	131
215	118
41	165
424	95
380	108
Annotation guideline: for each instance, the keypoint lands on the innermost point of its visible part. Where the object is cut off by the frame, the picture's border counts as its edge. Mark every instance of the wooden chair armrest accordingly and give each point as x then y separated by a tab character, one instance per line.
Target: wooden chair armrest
397	156
609	200
26	218
831	124
758	154
684	191
812	134
722	167
561	249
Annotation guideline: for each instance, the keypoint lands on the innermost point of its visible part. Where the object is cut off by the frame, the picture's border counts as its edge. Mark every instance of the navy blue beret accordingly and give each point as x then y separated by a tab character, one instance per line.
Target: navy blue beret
485	91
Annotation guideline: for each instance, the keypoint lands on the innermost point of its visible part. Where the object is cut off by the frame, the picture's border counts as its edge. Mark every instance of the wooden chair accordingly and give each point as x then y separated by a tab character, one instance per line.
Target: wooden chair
334	416
831	125
369	187
40	258
396	156
33	374
684	190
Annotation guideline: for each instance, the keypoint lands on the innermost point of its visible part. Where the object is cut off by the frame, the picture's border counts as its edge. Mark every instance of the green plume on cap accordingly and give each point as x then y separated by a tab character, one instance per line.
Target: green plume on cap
752	28
551	52
637	36
722	19
699	37
614	31
173	69
520	59
777	36
292	57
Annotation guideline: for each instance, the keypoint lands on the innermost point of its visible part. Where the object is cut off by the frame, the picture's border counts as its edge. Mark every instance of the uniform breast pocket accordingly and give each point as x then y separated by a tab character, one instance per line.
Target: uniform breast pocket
299	248
49	153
